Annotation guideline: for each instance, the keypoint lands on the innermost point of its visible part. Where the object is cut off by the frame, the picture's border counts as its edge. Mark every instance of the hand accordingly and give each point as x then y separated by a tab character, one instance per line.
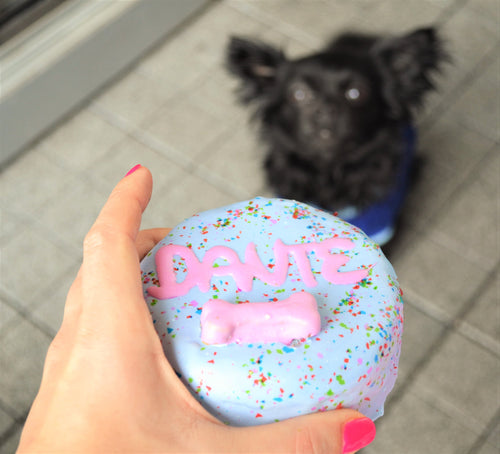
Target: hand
107	385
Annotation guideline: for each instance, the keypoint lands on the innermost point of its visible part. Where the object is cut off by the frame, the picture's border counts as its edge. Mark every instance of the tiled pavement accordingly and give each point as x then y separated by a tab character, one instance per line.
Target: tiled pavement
175	113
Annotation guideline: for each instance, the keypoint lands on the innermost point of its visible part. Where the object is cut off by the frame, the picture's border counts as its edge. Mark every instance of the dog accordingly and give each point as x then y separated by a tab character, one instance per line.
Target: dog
338	124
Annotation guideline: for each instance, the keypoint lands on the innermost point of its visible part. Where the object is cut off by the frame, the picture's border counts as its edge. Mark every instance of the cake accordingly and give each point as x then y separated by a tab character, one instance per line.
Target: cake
269	309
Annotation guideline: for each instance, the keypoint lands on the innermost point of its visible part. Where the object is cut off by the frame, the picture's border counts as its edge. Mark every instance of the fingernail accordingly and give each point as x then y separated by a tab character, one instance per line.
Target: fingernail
133	169
358	433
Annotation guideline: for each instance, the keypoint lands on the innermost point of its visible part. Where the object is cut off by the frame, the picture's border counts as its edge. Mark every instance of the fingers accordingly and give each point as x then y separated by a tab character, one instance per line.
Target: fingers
109	276
147	240
121	215
112	250
330	431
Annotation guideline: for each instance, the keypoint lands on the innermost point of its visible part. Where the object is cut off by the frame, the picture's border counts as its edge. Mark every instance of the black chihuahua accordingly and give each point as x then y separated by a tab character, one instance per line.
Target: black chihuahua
338	123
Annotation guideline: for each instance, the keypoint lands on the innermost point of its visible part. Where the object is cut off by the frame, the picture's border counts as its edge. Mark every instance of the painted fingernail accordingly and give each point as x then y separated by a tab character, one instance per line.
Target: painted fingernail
358	433
133	169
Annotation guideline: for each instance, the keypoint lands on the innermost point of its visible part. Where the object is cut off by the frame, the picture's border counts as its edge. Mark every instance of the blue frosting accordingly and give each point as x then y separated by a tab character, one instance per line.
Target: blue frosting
351	363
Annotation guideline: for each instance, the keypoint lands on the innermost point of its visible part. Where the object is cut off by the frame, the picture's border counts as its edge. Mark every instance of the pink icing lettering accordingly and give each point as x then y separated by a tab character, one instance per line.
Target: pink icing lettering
199	273
276	277
169	287
296	317
235	268
332	263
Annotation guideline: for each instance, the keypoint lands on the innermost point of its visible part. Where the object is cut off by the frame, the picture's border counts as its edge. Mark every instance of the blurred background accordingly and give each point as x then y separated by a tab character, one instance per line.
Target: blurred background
90	88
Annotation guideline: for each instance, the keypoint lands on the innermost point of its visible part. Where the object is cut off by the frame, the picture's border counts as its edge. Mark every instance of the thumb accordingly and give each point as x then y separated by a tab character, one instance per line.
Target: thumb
337	431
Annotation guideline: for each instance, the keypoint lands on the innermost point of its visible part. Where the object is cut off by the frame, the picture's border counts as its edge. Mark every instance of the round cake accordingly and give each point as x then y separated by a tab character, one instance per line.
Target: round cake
269	309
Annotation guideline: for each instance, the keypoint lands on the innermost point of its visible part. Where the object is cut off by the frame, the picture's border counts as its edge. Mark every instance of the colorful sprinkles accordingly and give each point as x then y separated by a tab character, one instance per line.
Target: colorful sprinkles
351	363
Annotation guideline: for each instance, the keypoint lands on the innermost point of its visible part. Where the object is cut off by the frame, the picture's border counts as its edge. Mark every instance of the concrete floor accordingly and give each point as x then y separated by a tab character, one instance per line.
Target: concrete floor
175	113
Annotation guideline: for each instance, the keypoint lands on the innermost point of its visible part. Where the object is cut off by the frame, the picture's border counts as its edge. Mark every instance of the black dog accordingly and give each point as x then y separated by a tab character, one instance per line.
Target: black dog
338	123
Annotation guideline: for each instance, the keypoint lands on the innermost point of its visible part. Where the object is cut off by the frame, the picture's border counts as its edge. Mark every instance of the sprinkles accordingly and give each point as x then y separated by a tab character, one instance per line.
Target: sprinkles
351	363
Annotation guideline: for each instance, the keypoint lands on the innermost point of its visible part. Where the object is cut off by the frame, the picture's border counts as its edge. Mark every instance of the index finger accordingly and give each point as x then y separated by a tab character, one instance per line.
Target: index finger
148	239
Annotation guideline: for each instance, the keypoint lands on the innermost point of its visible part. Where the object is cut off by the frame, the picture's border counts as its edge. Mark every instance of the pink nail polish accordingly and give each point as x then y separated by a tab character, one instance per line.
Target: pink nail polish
358	433
133	169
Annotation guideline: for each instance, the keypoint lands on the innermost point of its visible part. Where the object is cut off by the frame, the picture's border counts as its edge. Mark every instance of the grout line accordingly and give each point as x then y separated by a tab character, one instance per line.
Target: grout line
426	307
287	29
220	183
145	138
438	212
449	11
448	408
186	163
463	123
25	313
481	261
28	220
8	410
481	288
478	337
216	179
158	145
483	438
21	219
483	14
18	418
448	329
111	118
454	94
11	430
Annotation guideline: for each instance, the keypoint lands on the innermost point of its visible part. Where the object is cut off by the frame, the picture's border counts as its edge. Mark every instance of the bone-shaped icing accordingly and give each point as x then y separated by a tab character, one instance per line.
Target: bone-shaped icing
296	317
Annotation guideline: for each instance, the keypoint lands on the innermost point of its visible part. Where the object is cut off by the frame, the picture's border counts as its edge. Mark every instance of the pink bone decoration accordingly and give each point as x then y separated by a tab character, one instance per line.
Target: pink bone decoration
199	273
295	317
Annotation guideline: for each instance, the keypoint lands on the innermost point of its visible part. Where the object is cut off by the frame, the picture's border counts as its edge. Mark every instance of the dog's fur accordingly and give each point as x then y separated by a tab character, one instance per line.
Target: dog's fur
333	120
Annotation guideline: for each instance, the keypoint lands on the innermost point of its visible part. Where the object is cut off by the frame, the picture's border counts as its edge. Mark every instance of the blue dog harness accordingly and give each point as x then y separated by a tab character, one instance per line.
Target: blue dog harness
378	221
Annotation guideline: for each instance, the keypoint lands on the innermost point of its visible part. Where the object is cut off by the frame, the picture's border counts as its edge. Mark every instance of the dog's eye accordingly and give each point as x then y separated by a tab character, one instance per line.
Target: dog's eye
301	93
356	94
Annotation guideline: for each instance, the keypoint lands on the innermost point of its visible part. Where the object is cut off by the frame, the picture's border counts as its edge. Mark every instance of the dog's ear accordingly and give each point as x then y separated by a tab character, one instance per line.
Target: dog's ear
407	64
256	64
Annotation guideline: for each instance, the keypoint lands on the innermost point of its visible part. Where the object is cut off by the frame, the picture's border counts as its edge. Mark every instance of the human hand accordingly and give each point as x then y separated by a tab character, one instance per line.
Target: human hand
107	385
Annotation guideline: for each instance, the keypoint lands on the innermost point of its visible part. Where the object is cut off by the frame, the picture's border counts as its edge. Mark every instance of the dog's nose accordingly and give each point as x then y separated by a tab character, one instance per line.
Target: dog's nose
325	134
324	116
